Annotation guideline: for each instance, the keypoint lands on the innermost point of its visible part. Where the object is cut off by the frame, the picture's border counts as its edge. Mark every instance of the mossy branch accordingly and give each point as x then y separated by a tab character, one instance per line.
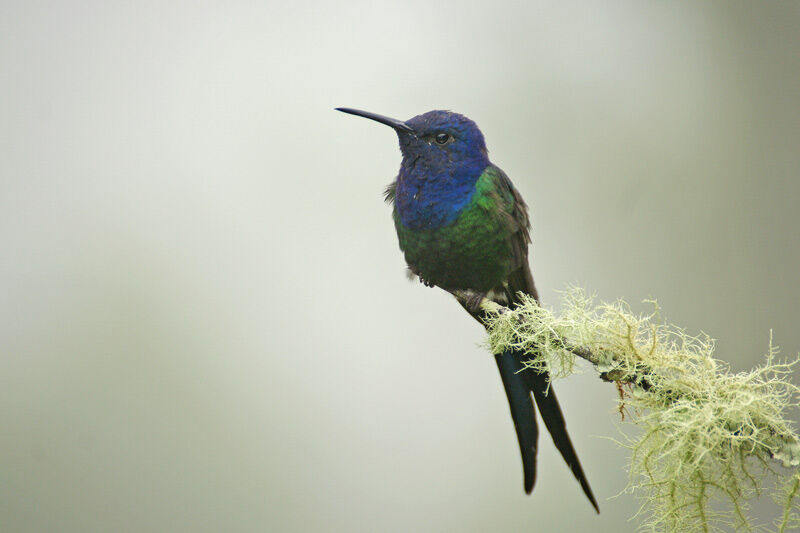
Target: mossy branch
709	438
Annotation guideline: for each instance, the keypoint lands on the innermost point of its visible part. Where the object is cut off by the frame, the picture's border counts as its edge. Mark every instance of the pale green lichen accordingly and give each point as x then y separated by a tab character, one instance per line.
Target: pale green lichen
709	437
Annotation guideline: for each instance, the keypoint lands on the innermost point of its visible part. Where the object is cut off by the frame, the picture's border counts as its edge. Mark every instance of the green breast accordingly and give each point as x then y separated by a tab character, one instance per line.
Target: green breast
473	252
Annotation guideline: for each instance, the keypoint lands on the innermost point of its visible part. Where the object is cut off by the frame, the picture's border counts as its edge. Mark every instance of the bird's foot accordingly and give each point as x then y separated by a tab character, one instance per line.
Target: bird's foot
470	300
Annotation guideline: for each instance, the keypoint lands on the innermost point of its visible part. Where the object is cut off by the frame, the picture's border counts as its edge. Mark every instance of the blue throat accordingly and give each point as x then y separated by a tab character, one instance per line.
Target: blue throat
431	198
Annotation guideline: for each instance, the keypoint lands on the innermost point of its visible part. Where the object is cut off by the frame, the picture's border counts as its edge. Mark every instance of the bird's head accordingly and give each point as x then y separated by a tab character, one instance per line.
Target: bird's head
436	140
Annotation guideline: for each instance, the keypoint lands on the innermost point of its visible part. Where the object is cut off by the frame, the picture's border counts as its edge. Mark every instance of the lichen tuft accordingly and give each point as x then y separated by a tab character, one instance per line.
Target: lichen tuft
710	437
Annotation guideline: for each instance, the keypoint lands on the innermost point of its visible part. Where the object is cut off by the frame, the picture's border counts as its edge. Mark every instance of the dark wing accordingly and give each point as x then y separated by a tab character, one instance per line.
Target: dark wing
516	213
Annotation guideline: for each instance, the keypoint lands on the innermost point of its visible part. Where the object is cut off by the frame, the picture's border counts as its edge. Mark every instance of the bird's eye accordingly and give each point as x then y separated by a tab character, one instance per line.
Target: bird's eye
442	138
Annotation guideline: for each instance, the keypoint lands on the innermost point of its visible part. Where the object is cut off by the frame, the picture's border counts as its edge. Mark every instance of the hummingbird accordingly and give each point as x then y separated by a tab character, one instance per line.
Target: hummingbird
463	227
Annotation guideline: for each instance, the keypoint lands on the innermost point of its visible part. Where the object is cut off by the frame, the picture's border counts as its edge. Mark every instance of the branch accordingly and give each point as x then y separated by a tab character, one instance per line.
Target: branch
640	376
704	428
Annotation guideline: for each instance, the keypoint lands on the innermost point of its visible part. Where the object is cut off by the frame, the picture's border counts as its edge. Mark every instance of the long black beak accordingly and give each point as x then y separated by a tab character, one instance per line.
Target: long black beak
399	125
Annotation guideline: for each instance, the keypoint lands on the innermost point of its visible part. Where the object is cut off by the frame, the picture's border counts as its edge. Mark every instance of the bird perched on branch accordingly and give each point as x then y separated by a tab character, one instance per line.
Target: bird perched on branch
464	227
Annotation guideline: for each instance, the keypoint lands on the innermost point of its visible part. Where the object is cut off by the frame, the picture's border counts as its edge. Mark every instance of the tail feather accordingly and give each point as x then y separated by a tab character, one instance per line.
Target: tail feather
522	412
553	418
519	383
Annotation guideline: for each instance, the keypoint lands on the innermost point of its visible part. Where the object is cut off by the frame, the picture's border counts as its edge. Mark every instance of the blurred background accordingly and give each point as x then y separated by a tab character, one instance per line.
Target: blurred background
204	319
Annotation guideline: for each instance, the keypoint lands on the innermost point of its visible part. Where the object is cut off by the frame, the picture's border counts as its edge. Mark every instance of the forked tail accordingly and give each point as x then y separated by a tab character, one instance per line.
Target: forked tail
519	383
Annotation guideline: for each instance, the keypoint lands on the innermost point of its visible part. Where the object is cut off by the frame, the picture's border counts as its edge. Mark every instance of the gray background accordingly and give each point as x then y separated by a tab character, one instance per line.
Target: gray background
204	319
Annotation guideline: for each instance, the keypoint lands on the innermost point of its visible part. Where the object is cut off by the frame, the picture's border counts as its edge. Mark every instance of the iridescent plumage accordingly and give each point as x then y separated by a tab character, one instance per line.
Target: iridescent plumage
462	225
